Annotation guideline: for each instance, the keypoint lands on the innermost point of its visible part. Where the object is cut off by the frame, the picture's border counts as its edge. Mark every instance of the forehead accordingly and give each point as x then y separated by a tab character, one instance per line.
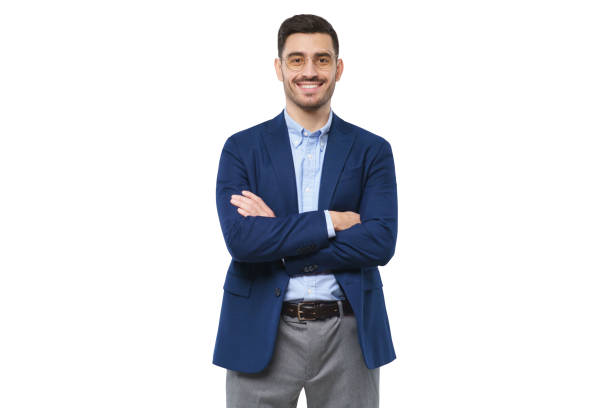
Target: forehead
308	43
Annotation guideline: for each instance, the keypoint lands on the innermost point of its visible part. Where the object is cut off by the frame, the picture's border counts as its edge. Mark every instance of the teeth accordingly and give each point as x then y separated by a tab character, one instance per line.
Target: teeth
309	86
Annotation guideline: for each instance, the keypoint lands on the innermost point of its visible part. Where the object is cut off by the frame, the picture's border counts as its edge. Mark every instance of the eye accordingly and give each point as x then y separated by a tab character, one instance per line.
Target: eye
295	60
324	60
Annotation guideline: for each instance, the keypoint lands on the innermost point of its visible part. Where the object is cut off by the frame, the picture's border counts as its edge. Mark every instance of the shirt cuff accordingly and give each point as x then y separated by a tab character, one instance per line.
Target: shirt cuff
330	225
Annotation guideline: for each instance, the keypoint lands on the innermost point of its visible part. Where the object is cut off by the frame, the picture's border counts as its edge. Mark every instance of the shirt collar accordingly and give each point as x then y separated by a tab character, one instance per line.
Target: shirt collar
297	133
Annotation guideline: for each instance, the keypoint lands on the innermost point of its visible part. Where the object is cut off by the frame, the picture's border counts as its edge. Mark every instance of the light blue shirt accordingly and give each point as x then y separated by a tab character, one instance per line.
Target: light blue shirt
308	150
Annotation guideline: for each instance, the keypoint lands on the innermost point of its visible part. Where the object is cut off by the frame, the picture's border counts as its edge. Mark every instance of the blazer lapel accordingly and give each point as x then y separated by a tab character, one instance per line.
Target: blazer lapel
339	143
277	143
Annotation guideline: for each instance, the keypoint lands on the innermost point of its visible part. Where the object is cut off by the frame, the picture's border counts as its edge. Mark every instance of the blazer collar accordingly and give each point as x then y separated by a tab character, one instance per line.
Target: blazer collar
277	143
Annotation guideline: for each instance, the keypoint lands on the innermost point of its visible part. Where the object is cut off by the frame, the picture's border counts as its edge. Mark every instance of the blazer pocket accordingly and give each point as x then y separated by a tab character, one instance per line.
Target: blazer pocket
237	285
351	172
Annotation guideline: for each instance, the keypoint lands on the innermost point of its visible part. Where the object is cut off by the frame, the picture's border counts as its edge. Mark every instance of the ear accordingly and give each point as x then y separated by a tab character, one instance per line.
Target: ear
339	69
278	68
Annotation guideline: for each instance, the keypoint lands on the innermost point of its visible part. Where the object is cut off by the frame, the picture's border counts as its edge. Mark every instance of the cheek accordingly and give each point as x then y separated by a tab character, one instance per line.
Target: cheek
290	82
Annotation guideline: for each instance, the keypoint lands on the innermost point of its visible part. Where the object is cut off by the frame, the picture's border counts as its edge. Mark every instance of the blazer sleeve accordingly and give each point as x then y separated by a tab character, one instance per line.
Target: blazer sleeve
370	243
258	238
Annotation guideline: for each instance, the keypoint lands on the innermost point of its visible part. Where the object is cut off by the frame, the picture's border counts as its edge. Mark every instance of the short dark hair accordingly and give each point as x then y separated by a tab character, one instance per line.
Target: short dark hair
305	23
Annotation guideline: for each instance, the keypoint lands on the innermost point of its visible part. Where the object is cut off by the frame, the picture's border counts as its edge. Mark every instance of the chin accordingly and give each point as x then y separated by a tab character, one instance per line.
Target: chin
311	106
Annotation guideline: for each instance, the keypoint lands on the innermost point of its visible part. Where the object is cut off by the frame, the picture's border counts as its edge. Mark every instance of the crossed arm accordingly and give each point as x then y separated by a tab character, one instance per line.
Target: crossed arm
254	234
251	205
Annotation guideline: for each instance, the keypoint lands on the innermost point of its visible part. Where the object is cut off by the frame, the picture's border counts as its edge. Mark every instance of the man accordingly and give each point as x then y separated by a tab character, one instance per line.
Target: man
303	305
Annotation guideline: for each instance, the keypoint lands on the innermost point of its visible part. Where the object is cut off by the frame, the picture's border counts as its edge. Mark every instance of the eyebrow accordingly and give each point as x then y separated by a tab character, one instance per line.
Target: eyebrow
317	54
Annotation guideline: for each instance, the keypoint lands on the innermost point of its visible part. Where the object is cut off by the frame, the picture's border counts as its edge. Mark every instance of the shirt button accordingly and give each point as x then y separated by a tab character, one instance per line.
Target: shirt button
309	291
307	189
310	156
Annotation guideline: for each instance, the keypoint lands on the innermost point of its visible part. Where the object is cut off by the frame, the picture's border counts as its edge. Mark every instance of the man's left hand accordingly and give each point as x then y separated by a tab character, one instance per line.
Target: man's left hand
251	205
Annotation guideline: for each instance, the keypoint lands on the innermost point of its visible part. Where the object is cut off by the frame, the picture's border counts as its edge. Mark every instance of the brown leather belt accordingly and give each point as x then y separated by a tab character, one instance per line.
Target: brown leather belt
317	310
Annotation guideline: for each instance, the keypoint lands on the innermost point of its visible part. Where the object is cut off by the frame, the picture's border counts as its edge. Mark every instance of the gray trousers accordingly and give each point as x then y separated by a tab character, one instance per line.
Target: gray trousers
321	356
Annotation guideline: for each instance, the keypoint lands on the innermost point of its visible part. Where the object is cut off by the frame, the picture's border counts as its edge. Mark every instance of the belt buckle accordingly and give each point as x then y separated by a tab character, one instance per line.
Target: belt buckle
300	311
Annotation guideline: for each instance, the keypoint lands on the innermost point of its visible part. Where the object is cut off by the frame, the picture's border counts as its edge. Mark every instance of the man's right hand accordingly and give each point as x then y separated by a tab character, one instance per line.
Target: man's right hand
344	219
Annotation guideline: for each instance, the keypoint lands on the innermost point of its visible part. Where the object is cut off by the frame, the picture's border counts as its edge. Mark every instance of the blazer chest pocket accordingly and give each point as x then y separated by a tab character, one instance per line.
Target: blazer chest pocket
351	173
237	285
348	190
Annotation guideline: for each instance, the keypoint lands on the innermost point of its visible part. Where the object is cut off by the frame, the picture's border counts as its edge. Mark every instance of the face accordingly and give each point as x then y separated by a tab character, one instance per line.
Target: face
298	84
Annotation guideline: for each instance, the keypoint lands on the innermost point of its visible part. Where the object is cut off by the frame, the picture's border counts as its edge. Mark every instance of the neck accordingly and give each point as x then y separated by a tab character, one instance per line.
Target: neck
310	120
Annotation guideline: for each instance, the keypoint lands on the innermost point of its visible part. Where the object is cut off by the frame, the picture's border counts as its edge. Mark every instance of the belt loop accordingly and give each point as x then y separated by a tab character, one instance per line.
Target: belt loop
340	309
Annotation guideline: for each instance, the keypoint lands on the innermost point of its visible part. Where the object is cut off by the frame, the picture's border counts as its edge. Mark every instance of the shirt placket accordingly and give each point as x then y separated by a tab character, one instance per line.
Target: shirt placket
309	168
311	160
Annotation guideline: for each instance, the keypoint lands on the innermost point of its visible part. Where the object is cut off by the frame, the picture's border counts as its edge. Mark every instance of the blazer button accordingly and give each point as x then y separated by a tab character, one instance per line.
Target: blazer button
277	292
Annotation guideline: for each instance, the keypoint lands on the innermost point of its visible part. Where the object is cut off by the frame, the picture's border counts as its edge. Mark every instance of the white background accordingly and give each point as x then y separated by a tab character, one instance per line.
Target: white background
112	119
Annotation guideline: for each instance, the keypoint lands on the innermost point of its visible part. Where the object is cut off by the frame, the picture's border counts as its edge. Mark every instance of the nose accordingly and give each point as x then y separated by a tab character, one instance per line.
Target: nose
309	67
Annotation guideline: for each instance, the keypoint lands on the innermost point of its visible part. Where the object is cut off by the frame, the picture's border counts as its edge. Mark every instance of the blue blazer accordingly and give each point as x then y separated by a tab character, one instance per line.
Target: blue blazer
358	175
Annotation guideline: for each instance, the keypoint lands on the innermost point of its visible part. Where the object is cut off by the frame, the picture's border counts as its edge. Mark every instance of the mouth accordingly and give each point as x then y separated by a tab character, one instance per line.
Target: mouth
309	86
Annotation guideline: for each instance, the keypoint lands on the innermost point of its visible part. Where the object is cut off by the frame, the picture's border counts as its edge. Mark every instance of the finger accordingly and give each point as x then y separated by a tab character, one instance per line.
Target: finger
267	209
249	194
242	198
237	201
244	204
261	207
260	203
243	212
251	206
256	199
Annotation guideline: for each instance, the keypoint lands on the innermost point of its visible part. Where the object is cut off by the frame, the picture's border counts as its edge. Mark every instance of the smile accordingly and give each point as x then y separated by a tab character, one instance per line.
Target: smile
309	85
